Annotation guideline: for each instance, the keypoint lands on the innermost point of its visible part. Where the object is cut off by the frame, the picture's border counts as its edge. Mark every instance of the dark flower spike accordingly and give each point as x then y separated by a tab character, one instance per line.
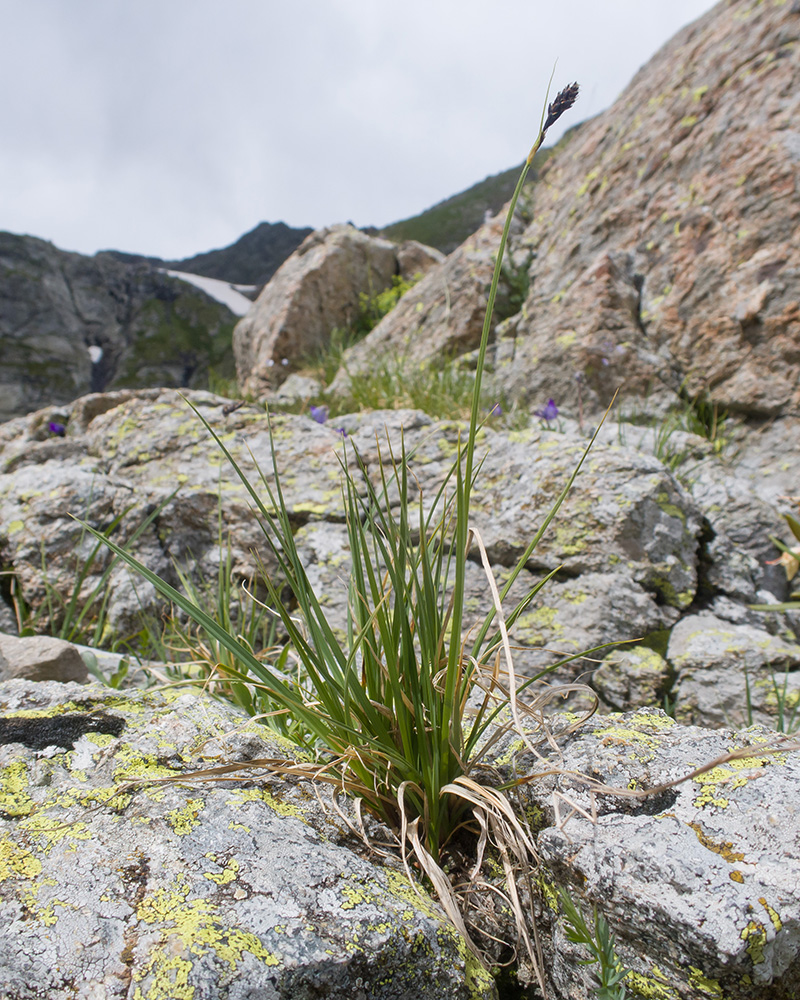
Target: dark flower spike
563	102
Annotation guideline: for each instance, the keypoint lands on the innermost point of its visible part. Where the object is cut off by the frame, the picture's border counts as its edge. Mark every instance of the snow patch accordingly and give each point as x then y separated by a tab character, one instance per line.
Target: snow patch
223	291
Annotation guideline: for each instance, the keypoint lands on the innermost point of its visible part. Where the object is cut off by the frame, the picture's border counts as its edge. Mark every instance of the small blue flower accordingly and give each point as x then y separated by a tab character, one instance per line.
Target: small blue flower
496	410
319	413
342	431
548	413
58	429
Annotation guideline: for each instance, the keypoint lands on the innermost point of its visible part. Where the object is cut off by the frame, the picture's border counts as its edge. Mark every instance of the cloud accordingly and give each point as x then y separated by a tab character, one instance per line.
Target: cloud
170	128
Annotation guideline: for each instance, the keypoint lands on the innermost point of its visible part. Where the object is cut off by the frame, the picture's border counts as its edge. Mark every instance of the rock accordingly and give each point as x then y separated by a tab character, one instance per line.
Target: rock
721	666
240	889
40	658
315	290
71	324
296	389
414	259
700	884
440	316
661	248
164	885
627	536
632	677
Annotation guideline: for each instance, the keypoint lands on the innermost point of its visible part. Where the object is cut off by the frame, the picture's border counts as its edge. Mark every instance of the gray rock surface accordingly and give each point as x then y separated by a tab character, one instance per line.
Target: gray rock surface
637	550
40	658
251	887
700	885
720	666
143	327
193	889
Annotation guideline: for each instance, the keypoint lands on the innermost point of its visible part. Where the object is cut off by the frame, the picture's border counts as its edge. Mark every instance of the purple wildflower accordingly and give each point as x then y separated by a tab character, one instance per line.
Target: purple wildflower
56	428
319	413
548	413
341	430
496	410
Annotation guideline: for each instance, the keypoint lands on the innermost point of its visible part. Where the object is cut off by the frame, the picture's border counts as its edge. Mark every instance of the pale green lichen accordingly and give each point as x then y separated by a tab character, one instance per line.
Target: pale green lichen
262	795
228	873
732	774
17	862
653	987
642	728
50	831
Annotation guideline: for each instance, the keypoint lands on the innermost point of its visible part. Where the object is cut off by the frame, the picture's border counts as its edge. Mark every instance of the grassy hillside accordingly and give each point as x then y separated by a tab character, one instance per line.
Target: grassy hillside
448	224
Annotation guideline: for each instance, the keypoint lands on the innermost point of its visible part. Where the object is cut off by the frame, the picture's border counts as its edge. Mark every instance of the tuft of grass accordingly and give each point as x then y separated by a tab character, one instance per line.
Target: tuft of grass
399	713
442	389
79	617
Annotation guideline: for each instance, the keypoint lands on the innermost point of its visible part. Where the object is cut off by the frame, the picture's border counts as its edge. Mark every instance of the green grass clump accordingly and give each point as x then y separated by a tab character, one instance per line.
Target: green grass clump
399	712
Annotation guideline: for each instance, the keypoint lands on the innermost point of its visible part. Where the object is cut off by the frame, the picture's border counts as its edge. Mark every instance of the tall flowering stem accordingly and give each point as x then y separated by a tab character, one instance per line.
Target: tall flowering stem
563	102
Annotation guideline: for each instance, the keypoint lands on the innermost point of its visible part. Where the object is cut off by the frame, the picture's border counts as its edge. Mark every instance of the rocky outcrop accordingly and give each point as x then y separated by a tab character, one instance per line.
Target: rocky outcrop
701	883
317	289
40	658
71	325
638	554
116	887
660	245
124	876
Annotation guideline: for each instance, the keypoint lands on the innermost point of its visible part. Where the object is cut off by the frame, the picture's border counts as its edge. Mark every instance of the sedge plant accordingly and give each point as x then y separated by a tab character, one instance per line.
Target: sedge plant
398	712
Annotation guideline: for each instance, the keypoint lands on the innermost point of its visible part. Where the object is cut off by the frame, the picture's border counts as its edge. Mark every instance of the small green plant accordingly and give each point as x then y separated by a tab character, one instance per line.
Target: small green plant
372	308
78	617
441	388
599	941
223	385
703	417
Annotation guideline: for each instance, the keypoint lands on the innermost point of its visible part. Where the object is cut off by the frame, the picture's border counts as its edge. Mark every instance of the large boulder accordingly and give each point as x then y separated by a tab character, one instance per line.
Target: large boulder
699	884
660	245
441	316
113	886
71	324
319	288
123	875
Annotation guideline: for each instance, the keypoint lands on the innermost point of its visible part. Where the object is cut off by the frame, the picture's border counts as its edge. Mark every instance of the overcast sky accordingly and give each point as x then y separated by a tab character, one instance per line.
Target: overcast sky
170	127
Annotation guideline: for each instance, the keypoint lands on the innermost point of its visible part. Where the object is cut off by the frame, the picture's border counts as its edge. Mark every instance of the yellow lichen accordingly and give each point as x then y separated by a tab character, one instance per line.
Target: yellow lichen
723	848
262	795
16	862
14	798
189	929
228	873
184	820
704	986
756	937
